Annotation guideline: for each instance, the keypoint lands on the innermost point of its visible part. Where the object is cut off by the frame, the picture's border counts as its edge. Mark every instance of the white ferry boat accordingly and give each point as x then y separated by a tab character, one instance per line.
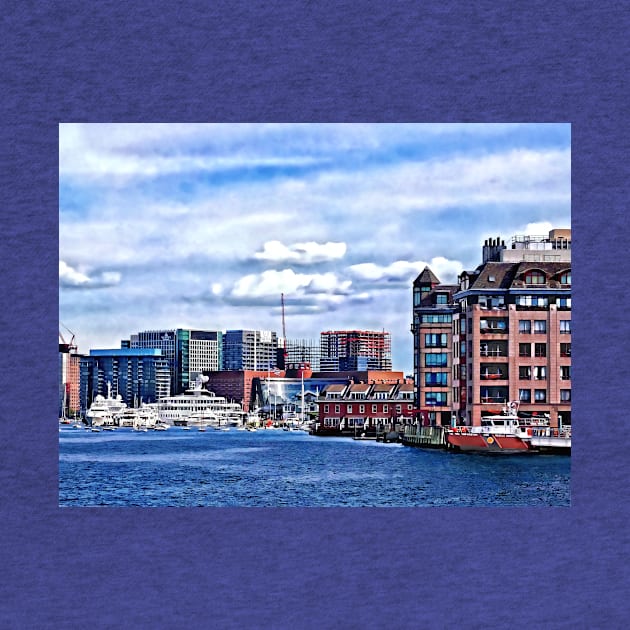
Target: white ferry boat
198	406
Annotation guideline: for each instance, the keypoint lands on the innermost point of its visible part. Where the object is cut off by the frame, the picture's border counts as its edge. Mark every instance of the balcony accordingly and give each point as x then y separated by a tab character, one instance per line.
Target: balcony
493	326
498	349
493	395
493	372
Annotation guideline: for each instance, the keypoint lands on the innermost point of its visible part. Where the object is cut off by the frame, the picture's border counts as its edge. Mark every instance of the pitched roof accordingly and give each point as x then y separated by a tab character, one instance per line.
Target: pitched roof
427	277
495	275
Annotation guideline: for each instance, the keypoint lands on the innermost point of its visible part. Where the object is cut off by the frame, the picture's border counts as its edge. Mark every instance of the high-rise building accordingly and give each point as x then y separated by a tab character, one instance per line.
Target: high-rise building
69	380
342	350
249	350
502	334
188	352
304	351
139	375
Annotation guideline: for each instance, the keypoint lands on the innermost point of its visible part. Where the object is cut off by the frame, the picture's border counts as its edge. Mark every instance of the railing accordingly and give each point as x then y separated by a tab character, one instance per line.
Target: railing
493	353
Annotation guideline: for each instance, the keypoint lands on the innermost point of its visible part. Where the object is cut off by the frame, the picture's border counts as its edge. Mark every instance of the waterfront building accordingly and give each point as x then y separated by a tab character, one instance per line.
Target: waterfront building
69	380
138	375
352	407
355	350
234	385
249	350
503	333
188	352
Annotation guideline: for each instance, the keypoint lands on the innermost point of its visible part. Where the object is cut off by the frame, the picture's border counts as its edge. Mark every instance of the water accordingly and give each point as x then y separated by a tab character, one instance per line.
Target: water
271	468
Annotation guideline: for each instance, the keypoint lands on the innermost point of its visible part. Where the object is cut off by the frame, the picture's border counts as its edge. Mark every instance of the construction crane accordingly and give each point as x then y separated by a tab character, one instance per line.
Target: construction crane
71	345
284	334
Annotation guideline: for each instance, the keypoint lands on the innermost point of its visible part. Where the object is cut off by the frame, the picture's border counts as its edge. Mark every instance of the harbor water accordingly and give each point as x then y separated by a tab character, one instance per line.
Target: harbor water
275	468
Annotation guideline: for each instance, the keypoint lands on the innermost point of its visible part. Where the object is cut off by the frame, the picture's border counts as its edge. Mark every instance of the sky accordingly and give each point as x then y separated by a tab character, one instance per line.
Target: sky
204	226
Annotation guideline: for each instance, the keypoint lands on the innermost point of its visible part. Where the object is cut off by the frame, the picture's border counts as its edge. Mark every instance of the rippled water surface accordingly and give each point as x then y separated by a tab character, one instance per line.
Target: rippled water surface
279	468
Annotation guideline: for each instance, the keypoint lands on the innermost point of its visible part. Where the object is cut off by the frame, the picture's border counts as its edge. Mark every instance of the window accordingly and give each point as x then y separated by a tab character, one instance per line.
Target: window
524	349
374	408
436	360
532	301
326	408
525	395
385	408
437	319
463	326
441	298
336	408
540	326
417	297
534	277
349	408
540	395
525	326
565	325
564	302
540	373
565	372
565	349
540	349
435	379
565	278
361	408
525	372
433	340
435	398
565	395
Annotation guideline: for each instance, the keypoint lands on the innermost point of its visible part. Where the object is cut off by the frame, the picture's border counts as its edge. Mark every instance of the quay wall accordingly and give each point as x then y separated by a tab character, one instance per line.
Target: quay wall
432	437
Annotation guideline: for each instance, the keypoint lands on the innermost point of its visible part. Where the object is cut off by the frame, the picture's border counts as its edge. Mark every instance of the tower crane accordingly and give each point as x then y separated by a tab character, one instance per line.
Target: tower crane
284	334
71	345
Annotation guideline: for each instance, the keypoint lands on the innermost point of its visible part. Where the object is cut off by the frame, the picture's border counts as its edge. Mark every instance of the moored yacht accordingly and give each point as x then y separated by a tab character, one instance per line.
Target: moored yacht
197	406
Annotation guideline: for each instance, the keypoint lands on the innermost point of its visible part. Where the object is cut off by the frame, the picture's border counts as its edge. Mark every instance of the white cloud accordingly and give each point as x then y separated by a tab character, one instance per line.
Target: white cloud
301	253
405	271
73	278
272	283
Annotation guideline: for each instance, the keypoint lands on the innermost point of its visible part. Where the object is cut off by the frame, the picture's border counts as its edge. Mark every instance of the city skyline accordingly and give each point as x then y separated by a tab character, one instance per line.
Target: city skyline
204	226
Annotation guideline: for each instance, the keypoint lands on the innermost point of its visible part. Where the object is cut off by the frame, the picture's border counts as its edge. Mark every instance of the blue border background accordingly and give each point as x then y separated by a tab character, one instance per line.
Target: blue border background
325	568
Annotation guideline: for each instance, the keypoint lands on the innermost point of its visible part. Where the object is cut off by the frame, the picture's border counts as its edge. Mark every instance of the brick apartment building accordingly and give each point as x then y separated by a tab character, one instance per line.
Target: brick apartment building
503	333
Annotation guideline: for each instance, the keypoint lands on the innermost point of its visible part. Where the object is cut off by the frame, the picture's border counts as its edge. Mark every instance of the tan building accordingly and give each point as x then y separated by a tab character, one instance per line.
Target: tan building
509	338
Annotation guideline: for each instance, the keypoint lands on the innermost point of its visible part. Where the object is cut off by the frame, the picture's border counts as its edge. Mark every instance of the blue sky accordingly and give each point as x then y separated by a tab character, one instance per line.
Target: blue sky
205	225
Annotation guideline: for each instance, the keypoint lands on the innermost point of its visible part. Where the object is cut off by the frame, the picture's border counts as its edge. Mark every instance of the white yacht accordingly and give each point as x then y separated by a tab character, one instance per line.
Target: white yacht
197	406
102	411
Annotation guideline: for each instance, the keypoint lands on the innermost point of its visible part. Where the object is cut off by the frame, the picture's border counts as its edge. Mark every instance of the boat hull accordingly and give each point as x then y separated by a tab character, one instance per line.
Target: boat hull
487	443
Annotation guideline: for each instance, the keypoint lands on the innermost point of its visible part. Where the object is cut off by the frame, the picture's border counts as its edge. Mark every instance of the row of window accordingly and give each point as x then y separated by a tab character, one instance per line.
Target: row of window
540	326
525	372
539	372
540	395
440	359
361	408
538	277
